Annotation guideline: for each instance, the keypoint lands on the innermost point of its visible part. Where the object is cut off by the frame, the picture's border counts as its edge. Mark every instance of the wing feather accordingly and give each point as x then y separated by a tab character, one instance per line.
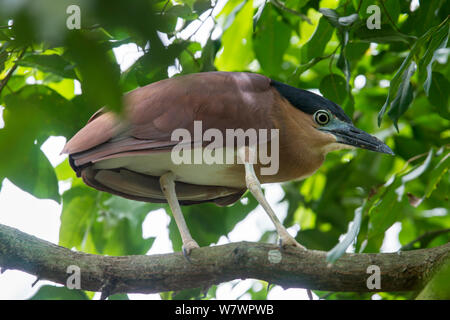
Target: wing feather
221	100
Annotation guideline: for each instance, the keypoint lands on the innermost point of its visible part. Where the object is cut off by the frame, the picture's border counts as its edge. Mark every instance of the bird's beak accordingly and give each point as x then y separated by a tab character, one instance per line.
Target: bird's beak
346	133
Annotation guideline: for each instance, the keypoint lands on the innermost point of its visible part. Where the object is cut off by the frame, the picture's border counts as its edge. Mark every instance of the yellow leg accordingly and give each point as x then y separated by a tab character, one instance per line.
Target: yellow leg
167	182
255	188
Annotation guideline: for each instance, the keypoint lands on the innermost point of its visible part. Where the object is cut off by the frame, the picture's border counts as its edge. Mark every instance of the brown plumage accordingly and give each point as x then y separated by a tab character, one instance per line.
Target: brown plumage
220	100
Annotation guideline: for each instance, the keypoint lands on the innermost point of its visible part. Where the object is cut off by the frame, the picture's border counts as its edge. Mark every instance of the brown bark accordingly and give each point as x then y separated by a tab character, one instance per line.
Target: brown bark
403	271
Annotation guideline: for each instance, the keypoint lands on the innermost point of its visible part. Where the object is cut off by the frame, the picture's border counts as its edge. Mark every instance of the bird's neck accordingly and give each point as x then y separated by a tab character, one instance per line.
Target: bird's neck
301	152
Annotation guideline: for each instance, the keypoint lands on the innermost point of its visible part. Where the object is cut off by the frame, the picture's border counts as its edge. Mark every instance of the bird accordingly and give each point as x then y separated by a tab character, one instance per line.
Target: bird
132	154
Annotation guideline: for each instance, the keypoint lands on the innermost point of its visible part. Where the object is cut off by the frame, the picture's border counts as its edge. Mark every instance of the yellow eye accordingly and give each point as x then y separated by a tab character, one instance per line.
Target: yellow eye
321	117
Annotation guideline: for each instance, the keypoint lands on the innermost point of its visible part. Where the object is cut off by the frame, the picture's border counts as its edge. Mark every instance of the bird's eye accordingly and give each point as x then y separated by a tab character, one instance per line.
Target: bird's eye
321	117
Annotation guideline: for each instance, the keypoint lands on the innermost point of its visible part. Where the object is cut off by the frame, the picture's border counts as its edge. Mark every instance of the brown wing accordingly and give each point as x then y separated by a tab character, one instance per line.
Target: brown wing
220	100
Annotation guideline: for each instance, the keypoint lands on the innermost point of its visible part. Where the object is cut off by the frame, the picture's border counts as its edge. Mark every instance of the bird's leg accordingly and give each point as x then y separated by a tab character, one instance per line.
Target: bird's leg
254	186
167	182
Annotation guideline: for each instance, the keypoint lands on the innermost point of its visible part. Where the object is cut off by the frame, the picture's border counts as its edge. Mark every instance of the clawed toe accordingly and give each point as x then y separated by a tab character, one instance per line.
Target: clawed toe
187	248
286	241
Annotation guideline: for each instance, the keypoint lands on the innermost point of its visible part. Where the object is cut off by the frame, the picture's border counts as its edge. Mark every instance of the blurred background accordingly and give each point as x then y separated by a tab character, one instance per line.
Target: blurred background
55	71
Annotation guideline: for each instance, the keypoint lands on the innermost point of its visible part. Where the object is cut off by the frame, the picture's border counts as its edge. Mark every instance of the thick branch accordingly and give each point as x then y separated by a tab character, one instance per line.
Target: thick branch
212	265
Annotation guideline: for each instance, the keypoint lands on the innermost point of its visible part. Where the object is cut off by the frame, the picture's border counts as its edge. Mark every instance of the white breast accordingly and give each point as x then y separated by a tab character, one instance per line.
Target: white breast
158	163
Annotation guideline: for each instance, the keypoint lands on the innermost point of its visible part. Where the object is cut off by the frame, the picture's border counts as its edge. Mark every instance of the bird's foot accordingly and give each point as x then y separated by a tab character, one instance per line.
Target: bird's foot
187	248
286	240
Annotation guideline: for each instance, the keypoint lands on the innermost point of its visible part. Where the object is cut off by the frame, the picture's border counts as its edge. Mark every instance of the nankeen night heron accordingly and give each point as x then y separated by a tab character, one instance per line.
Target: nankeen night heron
133	156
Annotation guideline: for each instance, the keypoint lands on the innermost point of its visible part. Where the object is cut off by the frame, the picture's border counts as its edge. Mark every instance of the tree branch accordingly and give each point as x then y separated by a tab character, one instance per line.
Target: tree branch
402	271
280	5
5	80
426	237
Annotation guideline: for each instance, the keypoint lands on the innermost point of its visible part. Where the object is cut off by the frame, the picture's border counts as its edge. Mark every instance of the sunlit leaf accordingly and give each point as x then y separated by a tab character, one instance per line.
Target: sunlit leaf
79	211
406	65
271	41
49	63
317	43
237	42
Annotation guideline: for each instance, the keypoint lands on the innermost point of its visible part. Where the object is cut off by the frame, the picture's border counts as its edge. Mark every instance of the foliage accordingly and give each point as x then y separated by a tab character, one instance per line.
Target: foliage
392	81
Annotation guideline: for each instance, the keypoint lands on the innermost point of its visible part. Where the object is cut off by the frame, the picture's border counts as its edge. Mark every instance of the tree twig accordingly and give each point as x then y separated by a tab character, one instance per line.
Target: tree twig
430	235
165	6
203	22
303	67
278	4
5	80
389	16
212	265
359	6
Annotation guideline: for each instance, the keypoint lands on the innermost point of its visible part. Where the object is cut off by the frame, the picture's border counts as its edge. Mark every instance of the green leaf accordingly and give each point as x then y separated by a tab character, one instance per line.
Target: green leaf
97	222
437	288
51	113
355	51
202	5
98	72
386	34
332	16
333	87
271	41
437	173
236	53
117	230
438	41
349	237
49	63
404	96
393	9
406	65
314	239
79	211
438	94
389	202
34	174
3	56
343	24
188	294
230	10
153	65
20	140
208	55
49	292
119	296
258	14
319	40
220	221
182	12
65	87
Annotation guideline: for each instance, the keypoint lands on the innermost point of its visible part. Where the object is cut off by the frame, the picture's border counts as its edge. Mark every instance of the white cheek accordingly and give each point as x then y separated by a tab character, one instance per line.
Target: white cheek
335	146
